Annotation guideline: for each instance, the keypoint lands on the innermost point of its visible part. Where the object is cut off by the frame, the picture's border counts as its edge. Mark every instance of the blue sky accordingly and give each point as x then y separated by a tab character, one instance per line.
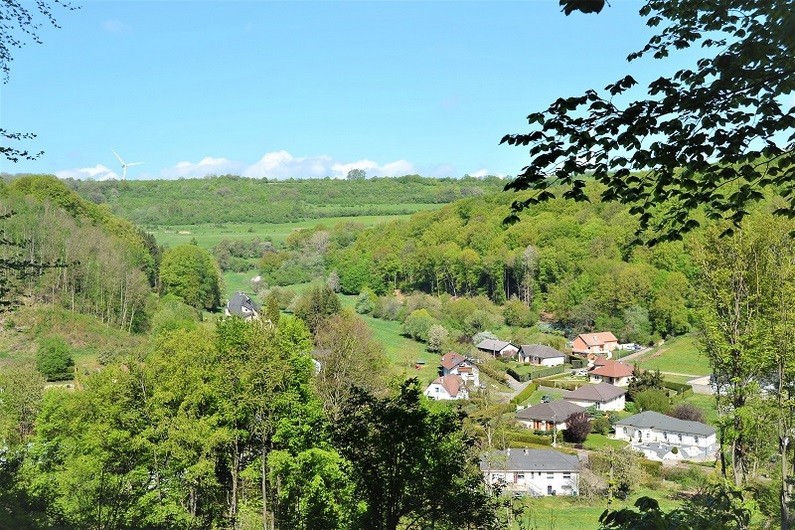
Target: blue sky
306	89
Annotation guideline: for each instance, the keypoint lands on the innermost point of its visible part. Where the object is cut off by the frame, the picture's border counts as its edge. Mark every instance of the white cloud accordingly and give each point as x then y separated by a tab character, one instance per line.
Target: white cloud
282	164
98	172
277	165
206	166
480	173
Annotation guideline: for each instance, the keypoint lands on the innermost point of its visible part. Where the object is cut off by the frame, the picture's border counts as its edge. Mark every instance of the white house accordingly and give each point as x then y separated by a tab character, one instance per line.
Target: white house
455	364
610	371
497	348
603	396
241	305
545	416
601	343
447	387
656	435
541	355
536	472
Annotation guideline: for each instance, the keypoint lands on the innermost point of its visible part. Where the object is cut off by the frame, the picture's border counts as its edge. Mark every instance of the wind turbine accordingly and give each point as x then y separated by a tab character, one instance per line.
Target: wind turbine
124	165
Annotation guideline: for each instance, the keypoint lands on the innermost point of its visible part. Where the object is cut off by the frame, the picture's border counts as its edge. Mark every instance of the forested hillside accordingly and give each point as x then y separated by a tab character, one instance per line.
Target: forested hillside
71	252
574	262
230	199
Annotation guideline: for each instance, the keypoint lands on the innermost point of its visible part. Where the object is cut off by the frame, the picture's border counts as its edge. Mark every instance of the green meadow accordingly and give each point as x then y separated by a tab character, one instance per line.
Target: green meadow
210	234
679	355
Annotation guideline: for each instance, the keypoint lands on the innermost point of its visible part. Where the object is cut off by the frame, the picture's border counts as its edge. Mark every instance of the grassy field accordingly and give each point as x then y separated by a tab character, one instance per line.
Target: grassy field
577	513
208	235
679	355
403	353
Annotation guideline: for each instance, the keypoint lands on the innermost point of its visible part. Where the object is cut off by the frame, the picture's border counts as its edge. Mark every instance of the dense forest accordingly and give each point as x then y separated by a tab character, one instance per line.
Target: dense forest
230	199
78	255
575	264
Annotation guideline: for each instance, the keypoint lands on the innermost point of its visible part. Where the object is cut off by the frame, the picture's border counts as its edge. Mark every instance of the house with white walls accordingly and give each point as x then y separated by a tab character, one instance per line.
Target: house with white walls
656	435
536	472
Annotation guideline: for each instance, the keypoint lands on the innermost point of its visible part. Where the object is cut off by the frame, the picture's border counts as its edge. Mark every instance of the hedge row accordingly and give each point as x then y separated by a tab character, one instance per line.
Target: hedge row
535	374
565	385
525	394
679	388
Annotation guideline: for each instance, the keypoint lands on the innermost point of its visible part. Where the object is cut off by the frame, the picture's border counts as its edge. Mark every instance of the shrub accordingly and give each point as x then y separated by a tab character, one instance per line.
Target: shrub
437	336
418	324
578	427
601	425
689	412
655	400
54	359
366	302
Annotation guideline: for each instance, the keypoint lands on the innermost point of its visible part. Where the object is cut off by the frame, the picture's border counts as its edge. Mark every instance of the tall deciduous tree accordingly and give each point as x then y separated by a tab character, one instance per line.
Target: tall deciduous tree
714	135
409	463
349	358
190	272
316	305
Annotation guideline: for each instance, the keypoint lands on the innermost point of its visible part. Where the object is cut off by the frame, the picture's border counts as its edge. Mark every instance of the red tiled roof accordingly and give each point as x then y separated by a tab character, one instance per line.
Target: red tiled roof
597	339
451	383
451	360
610	368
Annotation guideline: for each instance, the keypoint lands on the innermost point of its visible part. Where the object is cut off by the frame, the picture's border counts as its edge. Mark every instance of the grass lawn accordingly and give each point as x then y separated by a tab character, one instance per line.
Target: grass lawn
704	402
208	235
679	355
402	352
535	398
600	441
578	513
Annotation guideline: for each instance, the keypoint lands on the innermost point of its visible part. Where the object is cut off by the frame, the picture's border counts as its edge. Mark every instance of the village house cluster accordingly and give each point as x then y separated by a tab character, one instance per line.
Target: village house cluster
603	390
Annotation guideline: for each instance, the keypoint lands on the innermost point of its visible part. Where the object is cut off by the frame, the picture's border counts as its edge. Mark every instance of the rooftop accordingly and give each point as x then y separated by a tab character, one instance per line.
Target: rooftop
541	351
602	393
556	411
661	422
530	460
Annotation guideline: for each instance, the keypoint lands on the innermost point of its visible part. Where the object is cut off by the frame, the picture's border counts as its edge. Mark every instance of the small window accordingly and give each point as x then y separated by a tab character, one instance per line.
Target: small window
696	438
566	475
520	476
550	475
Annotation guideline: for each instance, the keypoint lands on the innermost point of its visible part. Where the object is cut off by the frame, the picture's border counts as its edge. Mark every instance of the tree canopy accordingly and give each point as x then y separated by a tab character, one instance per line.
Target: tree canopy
190	272
716	135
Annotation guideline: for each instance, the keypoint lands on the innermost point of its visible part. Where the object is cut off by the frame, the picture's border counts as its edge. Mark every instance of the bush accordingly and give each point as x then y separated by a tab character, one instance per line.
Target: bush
688	412
525	372
578	427
601	425
366	302
679	388
655	400
437	336
54	359
418	324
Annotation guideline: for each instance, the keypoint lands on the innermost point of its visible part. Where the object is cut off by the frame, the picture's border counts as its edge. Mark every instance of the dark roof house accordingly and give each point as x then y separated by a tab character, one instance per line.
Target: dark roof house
541	351
654	420
603	392
241	305
546	460
555	411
